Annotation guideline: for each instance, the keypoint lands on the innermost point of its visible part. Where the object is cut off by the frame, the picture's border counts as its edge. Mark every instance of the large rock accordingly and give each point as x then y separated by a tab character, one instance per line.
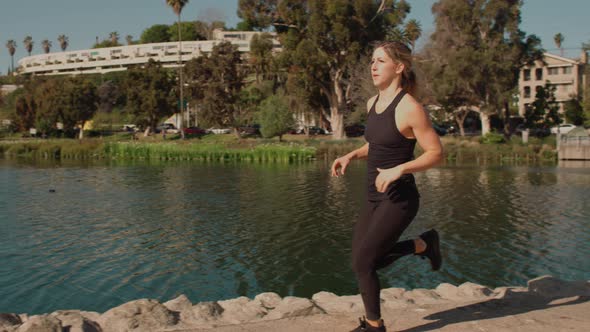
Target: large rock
241	310
292	307
549	286
9	322
268	300
78	321
139	315
201	314
41	323
394	298
471	291
179	304
330	303
421	296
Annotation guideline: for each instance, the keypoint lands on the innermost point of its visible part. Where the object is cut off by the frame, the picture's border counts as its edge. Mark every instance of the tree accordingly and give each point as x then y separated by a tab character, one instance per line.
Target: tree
475	56
574	112
64	41
413	32
188	31
261	55
150	96
28	42
323	39
108	94
558	39
177	6
46	44
215	82
114	37
157	33
543	112
11	46
129	39
274	116
205	29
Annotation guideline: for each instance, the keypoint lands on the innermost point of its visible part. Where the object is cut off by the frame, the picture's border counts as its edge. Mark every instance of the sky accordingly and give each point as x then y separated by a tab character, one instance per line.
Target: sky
83	20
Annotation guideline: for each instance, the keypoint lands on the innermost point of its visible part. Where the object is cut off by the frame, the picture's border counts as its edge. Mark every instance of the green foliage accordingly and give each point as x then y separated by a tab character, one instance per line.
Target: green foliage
260	57
321	40
274	117
106	43
543	111
476	52
188	31
574	112
150	93
215	82
492	138
157	33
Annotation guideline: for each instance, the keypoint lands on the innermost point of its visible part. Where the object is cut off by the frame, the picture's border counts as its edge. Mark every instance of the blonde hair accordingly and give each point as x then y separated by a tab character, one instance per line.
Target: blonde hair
401	53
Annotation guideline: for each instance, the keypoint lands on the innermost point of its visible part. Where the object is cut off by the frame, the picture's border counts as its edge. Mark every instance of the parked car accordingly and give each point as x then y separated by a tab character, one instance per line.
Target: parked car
537	132
218	131
195	131
354	130
250	130
563	128
313	130
439	130
169	128
130	128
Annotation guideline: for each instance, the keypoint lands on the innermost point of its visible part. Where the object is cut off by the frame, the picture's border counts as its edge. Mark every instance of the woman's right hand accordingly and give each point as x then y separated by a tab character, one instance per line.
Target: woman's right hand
339	166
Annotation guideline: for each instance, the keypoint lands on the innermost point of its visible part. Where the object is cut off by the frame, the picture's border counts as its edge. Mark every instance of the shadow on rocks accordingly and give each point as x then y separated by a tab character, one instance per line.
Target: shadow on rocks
511	303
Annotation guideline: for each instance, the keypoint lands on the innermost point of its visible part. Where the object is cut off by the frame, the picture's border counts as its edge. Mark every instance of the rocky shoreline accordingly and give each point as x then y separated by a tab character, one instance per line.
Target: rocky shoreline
275	312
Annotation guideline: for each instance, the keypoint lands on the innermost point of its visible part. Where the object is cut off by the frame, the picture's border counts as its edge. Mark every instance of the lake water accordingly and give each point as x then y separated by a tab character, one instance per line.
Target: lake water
93	236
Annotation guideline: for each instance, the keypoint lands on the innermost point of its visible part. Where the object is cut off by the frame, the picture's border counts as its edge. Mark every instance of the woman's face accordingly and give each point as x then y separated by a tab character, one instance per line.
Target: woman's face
383	69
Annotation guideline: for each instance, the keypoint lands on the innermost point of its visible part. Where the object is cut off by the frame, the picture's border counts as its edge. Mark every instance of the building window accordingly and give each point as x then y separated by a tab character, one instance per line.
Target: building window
527	74
527	92
553	71
539	74
567	70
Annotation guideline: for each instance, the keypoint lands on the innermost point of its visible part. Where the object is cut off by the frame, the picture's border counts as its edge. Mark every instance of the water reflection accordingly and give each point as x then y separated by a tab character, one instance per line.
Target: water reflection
111	233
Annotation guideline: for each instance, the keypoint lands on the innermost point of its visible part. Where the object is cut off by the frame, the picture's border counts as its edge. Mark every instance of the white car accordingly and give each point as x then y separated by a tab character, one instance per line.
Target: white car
563	128
219	130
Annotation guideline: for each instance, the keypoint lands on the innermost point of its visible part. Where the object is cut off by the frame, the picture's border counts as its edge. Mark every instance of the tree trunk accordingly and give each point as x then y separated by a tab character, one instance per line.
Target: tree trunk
460	117
146	133
485	122
337	104
507	129
81	134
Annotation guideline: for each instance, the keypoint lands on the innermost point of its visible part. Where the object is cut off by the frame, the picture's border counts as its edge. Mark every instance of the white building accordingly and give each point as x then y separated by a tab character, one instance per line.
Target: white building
567	75
104	60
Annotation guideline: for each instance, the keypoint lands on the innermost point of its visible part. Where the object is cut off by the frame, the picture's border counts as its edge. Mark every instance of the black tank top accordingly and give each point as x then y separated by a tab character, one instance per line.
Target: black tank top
387	148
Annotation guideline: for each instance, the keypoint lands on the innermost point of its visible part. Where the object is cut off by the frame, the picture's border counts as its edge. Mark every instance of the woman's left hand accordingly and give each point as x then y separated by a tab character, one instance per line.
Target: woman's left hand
386	177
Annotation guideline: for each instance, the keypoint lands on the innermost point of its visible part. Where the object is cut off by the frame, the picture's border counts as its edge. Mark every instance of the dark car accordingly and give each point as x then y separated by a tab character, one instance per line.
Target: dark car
441	131
195	131
250	130
313	130
354	130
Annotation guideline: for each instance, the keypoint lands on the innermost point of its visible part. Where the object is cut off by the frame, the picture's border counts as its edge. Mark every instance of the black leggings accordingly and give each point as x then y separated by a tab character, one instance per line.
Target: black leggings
375	246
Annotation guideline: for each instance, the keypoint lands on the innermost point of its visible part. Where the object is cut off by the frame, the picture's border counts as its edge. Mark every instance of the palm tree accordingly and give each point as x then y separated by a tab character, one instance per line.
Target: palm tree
413	32
11	45
46	45
28	42
558	39
63	42
177	6
114	38
129	39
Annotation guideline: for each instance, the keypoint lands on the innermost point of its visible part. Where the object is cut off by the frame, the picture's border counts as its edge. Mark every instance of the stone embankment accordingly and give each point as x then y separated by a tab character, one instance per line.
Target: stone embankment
464	304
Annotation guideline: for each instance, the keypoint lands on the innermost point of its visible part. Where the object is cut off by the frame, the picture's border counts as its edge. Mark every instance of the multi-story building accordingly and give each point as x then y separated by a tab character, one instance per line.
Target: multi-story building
567	75
104	60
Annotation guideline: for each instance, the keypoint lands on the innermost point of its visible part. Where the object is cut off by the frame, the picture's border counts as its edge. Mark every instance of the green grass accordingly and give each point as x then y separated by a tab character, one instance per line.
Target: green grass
294	148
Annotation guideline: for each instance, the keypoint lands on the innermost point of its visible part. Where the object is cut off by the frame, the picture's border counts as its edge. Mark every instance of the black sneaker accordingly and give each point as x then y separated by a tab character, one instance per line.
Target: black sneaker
432	249
366	327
